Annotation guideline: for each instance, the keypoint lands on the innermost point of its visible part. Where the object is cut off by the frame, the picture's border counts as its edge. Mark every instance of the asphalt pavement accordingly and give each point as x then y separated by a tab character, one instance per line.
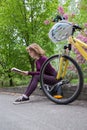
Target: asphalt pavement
41	114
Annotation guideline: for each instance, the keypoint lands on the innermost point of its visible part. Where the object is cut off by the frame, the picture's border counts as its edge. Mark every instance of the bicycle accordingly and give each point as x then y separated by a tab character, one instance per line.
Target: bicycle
69	74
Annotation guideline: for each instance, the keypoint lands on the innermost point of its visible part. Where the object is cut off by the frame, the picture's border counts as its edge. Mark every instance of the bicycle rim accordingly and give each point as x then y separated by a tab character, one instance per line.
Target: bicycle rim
73	80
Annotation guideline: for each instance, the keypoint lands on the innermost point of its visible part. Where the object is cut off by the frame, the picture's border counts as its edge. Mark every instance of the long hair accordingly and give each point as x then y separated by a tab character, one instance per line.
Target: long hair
36	48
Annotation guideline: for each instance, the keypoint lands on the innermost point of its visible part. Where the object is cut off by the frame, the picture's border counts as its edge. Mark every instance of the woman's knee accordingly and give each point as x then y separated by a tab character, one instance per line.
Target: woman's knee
36	77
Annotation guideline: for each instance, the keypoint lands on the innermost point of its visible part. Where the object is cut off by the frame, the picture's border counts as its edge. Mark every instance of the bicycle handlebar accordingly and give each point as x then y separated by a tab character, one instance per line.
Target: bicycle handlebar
57	18
75	27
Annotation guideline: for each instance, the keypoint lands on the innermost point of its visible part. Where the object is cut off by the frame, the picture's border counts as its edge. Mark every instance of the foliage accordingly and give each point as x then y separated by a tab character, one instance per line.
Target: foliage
23	22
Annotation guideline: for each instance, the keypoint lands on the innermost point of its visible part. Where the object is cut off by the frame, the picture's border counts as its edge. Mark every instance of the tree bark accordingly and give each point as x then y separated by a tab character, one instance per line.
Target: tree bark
10	80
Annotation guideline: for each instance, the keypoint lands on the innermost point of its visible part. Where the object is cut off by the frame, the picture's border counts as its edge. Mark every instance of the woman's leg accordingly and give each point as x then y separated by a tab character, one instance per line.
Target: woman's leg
32	85
51	80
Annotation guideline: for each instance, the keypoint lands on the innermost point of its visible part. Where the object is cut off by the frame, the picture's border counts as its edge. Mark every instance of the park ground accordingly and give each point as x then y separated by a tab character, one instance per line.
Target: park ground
41	114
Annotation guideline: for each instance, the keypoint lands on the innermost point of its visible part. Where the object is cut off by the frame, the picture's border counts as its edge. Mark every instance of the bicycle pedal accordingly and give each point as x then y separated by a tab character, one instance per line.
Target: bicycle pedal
58	96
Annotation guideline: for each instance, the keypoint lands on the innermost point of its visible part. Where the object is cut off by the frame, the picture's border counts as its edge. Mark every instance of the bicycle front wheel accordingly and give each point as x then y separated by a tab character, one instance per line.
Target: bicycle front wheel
71	84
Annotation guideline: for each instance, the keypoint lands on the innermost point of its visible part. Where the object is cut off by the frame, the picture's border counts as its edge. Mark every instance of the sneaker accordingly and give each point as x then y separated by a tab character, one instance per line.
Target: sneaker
21	100
58	96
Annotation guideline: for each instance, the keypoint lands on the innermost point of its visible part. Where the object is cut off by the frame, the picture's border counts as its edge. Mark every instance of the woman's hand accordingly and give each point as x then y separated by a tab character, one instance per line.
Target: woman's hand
19	71
24	72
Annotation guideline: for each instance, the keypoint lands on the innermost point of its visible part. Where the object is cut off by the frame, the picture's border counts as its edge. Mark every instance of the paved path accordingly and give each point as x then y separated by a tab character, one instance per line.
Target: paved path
41	114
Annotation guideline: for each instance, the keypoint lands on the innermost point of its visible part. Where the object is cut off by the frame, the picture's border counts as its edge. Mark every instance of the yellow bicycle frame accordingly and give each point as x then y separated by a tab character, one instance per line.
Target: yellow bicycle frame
79	45
63	63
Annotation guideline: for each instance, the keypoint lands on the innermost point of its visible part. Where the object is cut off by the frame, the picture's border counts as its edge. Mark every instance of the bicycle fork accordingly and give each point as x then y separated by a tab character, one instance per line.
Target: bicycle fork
63	64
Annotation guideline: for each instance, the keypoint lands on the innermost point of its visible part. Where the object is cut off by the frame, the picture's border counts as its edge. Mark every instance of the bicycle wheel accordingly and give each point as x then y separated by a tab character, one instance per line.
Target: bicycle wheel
71	84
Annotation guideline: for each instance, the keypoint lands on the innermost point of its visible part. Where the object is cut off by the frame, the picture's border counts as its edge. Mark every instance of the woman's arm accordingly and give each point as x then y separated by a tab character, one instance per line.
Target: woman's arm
30	73
34	73
19	71
24	72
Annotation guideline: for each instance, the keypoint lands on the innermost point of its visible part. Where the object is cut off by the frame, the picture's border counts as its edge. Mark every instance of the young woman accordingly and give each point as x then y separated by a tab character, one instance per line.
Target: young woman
37	53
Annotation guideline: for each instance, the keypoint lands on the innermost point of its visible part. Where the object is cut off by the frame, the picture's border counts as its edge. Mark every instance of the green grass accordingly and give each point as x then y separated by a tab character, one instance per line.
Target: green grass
16	82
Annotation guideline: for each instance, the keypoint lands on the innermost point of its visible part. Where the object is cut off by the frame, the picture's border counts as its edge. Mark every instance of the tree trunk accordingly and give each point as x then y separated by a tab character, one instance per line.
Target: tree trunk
10	80
31	63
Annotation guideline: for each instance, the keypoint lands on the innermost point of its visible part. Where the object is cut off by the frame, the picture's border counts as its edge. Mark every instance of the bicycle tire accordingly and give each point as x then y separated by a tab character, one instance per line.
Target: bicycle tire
78	85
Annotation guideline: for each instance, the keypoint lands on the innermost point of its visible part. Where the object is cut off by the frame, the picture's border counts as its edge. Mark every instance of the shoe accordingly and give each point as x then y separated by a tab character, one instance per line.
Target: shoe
21	100
58	96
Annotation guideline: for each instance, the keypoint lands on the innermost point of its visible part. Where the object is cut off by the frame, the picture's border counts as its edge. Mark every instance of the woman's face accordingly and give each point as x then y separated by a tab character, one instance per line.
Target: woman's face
33	54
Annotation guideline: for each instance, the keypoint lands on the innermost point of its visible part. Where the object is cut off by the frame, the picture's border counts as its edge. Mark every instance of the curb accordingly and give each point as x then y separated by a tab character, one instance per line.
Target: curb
39	92
21	90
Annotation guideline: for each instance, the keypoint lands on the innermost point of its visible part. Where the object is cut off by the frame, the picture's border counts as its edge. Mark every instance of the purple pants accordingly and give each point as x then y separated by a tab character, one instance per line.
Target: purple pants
34	82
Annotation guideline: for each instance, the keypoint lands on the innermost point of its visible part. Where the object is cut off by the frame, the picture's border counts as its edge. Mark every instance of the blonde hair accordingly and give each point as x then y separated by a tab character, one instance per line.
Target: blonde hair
36	48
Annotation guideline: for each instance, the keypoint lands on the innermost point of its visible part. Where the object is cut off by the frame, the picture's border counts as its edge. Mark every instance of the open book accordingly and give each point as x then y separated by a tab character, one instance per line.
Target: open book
16	70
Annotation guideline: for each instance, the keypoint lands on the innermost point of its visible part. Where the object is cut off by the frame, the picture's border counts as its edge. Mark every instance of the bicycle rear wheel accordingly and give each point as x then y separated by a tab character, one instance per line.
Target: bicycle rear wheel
71	84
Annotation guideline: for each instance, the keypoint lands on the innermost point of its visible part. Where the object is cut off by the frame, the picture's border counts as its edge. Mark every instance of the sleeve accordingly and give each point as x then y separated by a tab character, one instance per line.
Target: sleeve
42	60
33	73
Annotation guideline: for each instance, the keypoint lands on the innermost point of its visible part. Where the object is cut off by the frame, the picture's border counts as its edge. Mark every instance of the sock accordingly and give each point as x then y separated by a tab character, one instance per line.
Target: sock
25	96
